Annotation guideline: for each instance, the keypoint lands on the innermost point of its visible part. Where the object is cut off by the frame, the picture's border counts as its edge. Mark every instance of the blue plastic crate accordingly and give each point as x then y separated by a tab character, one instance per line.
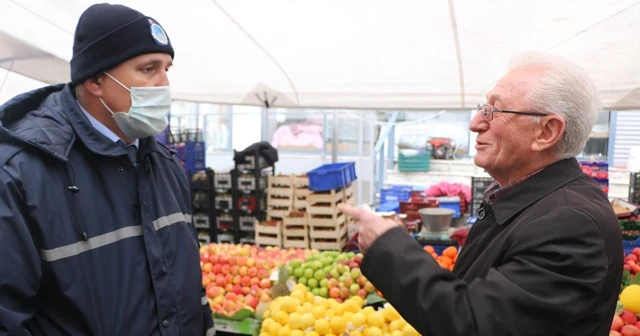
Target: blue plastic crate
333	176
191	155
388	207
629	245
395	194
452	203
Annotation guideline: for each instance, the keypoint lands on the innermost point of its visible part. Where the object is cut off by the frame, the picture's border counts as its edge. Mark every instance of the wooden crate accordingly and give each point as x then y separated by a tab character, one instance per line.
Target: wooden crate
278	213
281	185
300	203
296	242
332	196
301	182
279	201
327	232
327	220
268	235
329	244
323	209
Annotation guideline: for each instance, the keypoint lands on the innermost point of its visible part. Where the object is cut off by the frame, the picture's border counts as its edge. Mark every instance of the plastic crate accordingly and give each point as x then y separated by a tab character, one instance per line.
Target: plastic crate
191	155
395	194
388	207
333	176
629	245
414	163
452	203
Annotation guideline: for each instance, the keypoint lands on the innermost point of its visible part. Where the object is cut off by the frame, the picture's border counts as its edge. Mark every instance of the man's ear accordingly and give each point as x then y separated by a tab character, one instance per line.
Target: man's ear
549	133
93	86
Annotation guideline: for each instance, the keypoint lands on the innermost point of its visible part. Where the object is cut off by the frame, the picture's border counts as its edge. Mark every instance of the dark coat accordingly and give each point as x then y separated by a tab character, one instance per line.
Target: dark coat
546	260
92	243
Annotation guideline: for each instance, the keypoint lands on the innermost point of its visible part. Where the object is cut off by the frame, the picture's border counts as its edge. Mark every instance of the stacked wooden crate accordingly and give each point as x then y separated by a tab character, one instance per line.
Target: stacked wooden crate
279	197
327	225
268	233
301	191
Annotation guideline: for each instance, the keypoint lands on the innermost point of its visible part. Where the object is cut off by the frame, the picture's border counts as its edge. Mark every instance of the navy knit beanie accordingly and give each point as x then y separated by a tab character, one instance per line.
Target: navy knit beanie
108	35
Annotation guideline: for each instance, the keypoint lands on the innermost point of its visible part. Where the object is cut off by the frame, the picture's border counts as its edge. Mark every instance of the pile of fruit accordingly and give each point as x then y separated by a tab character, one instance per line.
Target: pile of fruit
625	322
302	313
237	276
631	262
332	274
448	258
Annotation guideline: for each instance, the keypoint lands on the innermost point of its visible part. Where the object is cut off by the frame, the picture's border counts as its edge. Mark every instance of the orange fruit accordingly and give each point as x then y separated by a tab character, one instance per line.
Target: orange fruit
429	249
448	261
450	252
434	255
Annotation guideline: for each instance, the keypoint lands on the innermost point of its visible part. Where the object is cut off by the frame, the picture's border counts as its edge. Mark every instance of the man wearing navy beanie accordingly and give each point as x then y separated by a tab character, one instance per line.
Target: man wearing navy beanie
96	227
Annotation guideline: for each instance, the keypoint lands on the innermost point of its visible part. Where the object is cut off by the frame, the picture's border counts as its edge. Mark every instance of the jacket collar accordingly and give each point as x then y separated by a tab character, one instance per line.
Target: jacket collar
550	179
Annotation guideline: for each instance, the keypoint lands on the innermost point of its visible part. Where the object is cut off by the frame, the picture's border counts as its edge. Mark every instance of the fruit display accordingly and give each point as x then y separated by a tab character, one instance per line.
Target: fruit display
238	276
332	274
302	313
632	262
448	258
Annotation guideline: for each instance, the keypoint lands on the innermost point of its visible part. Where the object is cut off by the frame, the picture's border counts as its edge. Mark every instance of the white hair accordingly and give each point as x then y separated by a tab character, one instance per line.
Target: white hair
567	90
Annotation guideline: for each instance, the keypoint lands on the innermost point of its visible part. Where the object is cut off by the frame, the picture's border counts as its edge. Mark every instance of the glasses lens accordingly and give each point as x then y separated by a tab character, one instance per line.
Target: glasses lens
486	111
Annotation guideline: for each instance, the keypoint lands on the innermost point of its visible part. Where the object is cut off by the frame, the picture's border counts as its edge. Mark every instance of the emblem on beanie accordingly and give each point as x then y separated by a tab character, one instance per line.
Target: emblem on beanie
158	34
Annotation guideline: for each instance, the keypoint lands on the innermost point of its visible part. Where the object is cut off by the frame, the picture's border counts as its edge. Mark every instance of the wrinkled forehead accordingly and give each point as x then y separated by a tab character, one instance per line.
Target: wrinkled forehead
514	86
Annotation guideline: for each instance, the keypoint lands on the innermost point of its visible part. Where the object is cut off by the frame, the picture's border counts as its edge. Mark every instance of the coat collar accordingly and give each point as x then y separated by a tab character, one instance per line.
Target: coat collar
550	179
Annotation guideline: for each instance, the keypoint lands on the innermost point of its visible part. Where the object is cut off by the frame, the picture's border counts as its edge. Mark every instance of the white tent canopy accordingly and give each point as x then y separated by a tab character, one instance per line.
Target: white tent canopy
374	54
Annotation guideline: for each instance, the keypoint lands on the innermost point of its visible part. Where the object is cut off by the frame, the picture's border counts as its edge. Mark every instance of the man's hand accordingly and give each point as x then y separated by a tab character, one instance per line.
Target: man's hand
371	225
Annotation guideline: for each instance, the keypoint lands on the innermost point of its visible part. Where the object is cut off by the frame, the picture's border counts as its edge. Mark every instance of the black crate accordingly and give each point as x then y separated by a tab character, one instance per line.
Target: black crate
478	187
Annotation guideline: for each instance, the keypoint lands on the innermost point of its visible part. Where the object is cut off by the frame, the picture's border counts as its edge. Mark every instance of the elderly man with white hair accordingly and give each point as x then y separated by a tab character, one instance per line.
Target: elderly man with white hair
544	257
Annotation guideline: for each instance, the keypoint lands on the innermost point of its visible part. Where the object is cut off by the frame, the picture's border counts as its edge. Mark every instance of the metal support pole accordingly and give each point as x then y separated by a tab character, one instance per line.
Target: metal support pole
334	138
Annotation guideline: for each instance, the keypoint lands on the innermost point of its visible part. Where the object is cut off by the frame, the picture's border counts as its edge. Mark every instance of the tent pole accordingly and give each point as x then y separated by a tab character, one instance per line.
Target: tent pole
334	138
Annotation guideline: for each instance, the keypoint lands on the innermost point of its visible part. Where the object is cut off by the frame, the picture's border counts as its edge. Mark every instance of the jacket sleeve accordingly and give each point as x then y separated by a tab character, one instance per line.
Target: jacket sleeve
20	268
550	270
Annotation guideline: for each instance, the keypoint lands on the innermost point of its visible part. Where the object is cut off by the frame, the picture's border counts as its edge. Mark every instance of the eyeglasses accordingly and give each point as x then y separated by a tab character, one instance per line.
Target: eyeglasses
488	111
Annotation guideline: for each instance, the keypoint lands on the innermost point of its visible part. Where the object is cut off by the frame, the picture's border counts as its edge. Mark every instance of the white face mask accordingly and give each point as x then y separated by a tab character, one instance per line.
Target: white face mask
148	115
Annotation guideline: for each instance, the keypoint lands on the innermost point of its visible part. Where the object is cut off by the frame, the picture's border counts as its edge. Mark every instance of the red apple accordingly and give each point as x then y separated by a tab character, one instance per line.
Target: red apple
362	293
638	324
217	268
628	317
246	290
630	330
636	251
632	257
265	283
252	271
626	267
614	333
207	268
635	268
617	323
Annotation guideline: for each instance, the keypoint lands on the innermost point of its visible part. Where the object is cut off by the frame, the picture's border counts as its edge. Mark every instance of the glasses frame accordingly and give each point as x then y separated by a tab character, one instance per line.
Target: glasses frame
493	110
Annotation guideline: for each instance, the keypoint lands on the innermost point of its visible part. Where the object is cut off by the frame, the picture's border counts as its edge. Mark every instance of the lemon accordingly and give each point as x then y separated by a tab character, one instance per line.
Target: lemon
298	294
393	326
630	298
322	326
368	310
274	328
297	333
266	323
318	311
288	304
284	331
355	333
306	321
396	333
281	317
373	331
347	316
352	306
338	324
409	331
374	319
358	319
312	333
264	334
310	297
295	320
390	313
